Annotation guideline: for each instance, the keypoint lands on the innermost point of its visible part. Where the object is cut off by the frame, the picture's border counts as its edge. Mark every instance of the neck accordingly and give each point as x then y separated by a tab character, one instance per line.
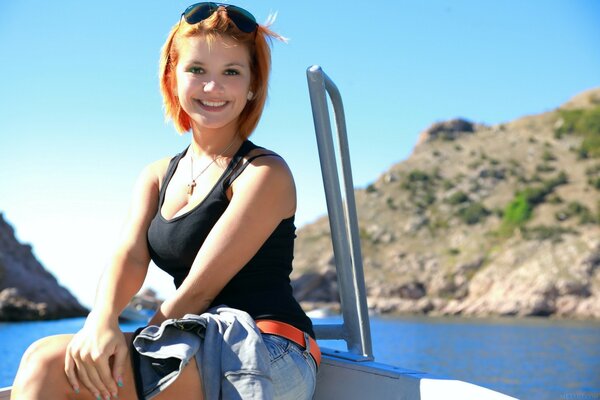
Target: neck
214	144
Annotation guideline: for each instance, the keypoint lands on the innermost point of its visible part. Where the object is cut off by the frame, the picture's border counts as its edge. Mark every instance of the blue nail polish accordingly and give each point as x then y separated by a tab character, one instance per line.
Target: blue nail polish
120	382
76	390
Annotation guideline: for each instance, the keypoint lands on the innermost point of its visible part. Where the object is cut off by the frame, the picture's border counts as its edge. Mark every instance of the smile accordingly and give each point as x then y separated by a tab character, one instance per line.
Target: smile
212	104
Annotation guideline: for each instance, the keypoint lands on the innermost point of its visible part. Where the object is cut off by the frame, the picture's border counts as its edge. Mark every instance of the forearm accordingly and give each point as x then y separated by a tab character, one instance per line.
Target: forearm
183	302
213	268
119	283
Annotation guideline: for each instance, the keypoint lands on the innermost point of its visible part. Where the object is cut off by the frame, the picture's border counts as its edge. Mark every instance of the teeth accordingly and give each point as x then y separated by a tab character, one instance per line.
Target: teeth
213	103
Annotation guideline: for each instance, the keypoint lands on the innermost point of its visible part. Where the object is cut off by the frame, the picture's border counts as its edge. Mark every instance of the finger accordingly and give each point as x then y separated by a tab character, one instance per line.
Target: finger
94	375
70	372
103	370
119	364
85	379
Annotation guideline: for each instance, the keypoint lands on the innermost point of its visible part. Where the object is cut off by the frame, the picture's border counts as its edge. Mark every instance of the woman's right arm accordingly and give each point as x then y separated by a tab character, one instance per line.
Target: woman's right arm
128	267
89	353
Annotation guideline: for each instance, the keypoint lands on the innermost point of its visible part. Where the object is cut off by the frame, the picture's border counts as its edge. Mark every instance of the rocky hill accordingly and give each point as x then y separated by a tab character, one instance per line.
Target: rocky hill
27	290
479	220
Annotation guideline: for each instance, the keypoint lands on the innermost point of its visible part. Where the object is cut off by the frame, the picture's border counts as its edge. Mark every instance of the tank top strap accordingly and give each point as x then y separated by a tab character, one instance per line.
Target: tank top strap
237	171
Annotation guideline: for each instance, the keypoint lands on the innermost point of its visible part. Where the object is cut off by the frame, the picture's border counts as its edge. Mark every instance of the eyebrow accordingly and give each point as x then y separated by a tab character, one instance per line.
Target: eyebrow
232	64
235	65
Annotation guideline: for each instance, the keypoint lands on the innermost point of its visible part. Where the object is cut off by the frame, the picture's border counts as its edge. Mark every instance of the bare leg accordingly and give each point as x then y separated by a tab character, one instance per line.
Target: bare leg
41	376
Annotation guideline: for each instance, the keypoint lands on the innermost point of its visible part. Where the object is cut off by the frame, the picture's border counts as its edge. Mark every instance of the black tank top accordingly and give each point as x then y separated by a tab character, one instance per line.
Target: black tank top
262	287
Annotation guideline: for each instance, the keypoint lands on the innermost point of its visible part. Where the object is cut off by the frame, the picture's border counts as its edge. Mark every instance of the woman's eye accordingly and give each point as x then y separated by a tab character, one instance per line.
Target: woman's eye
231	72
196	70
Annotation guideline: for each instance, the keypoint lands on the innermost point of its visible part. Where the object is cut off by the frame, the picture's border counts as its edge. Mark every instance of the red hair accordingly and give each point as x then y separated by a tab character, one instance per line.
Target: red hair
219	24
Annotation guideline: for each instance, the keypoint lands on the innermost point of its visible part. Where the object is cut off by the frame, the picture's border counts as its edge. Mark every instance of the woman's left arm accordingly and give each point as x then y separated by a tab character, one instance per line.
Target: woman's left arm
262	196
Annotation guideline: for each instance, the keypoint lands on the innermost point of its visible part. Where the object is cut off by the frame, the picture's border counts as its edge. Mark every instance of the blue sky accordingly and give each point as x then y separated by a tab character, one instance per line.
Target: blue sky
80	110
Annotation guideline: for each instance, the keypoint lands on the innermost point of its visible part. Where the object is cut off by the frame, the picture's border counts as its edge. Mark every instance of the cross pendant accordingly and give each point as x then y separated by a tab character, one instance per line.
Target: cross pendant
191	187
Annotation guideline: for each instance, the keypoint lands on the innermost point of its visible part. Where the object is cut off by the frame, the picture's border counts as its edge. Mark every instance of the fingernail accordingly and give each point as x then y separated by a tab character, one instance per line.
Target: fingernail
107	397
76	389
120	382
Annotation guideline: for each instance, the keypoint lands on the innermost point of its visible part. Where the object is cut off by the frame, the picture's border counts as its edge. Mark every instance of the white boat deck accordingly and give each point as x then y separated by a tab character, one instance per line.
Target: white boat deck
339	378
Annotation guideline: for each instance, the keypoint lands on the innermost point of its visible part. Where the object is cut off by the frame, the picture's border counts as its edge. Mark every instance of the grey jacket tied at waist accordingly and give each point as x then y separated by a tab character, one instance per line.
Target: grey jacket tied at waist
233	361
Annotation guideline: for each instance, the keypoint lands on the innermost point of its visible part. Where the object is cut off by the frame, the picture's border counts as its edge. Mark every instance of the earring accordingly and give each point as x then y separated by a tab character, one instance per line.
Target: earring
250	95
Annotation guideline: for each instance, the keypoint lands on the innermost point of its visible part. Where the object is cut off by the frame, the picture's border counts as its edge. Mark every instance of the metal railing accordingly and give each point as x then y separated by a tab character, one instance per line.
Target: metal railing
355	329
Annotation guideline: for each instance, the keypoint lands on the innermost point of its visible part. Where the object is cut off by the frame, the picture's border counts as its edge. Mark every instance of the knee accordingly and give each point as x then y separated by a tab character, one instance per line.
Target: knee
43	358
41	372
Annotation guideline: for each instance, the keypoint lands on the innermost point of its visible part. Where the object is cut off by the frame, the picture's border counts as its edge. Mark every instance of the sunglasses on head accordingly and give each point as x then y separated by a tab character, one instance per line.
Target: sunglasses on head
198	12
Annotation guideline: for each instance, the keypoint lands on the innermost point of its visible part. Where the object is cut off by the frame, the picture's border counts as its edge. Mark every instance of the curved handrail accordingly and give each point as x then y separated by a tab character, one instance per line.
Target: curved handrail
355	329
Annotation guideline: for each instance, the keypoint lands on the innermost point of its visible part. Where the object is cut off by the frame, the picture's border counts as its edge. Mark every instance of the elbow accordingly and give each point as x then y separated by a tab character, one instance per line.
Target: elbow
188	302
200	304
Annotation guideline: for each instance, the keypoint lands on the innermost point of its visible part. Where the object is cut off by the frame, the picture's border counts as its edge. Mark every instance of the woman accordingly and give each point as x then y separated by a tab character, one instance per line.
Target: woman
218	217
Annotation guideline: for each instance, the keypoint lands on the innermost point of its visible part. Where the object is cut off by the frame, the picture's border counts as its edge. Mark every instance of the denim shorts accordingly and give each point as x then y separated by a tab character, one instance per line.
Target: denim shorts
293	370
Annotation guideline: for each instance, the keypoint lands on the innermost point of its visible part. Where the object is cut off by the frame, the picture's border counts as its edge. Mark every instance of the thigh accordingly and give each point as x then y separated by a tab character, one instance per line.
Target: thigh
51	351
187	386
42	373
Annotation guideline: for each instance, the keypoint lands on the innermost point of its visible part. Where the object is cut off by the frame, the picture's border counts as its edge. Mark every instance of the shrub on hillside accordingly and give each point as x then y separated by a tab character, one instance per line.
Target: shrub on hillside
548	156
576	209
593	176
424	199
417	175
543	232
544	168
390	203
458	198
421	185
585	123
473	213
520	209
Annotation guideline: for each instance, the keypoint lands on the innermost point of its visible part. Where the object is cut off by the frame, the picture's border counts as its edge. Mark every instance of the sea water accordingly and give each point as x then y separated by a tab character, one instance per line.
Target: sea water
524	358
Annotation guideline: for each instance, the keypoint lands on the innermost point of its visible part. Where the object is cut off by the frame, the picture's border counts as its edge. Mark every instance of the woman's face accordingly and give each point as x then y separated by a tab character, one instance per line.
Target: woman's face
213	81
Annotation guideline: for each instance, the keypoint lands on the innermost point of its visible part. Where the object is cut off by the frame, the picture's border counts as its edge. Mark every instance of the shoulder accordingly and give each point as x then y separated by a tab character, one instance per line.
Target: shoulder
267	181
158	168
266	164
153	173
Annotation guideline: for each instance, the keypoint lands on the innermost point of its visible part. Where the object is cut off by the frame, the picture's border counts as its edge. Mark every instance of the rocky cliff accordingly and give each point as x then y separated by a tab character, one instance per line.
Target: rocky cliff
479	220
27	290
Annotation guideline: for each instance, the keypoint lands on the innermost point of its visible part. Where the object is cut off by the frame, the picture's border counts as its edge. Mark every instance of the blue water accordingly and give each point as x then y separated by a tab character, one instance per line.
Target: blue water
525	358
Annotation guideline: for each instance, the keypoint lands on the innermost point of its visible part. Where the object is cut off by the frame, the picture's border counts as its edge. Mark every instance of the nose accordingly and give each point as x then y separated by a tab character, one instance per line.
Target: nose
212	86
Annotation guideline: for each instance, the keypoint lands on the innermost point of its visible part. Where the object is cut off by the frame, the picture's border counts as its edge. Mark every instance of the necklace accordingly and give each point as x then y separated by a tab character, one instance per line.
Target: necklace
192	184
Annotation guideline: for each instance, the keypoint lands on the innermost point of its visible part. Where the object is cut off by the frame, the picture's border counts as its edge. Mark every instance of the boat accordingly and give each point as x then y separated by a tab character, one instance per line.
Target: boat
354	374
133	313
141	308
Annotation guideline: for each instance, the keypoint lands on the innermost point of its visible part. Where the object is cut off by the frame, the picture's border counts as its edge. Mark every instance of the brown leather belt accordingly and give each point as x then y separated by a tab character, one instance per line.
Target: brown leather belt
291	333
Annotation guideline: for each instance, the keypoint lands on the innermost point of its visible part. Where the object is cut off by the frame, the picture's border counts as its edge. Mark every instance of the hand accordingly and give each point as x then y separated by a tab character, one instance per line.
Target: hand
88	355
